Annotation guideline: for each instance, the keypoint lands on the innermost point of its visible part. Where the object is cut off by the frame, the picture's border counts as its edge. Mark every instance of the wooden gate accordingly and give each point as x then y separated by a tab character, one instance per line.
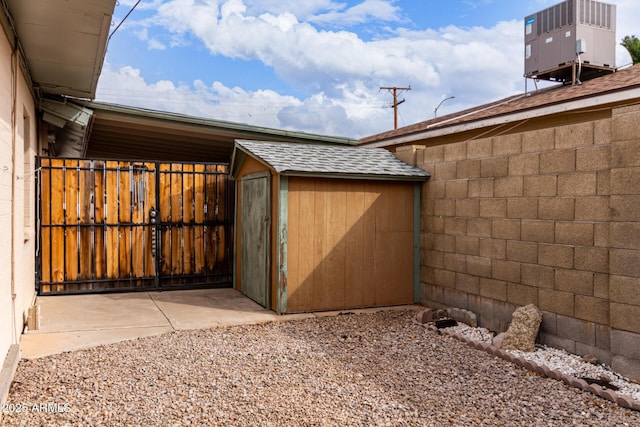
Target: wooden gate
132	225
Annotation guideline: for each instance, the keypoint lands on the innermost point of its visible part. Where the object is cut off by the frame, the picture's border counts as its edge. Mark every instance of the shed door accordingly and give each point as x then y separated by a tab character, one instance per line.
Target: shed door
255	237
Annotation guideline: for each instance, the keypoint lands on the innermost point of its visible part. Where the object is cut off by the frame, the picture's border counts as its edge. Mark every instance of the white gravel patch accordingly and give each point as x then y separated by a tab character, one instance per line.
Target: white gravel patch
560	360
380	369
571	364
476	334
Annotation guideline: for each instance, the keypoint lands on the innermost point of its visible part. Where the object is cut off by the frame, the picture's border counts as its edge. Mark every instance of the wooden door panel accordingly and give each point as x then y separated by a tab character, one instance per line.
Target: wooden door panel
255	238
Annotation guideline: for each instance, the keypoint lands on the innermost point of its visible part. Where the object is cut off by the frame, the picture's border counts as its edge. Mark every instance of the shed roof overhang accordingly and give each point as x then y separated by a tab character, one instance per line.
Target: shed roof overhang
63	41
325	161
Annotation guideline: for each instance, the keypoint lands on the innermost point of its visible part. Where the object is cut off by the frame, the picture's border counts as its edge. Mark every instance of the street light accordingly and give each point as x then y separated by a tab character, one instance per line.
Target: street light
435	112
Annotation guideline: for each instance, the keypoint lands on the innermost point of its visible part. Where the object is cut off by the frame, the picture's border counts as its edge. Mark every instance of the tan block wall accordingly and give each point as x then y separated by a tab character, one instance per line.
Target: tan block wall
550	217
624	240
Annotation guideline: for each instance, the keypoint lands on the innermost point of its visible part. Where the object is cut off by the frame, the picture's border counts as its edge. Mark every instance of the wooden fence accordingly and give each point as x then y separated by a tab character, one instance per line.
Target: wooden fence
123	225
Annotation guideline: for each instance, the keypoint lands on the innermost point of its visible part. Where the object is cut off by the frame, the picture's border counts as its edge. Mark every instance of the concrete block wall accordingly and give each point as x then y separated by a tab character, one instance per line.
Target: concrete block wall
548	216
624	240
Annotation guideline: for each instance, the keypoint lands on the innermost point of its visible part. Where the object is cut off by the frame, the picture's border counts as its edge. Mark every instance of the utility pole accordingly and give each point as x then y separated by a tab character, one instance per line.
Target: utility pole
396	91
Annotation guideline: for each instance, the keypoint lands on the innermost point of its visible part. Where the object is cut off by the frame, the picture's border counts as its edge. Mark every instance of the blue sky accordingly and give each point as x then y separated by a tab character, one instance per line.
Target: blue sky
317	65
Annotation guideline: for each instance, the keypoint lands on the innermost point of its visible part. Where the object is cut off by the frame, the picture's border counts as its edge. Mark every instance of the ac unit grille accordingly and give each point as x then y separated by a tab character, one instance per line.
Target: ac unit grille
595	13
555	17
590	12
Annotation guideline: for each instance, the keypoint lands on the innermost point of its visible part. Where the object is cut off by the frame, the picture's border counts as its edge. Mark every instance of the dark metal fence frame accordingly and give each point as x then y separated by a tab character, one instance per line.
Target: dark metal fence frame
220	276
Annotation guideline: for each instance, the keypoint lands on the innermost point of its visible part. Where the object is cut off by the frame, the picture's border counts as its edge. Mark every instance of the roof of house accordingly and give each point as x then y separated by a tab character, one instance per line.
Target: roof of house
62	41
326	161
617	87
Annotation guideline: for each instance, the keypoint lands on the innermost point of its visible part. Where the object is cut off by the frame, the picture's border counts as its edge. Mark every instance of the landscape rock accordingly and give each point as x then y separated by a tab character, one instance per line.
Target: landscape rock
610	395
441	313
497	340
606	378
523	329
430	315
423	316
625	401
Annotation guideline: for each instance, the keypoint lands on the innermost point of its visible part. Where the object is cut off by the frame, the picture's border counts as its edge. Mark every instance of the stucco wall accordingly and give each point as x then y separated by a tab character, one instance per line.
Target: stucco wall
17	217
548	216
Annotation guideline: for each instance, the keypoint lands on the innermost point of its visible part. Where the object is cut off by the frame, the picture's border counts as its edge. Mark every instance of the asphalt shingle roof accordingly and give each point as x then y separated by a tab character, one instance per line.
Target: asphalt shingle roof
618	81
319	159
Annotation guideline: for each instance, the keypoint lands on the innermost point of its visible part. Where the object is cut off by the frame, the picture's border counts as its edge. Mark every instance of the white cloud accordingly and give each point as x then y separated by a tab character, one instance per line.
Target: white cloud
340	72
142	33
364	12
319	60
303	10
317	114
127	86
476	4
156	45
143	5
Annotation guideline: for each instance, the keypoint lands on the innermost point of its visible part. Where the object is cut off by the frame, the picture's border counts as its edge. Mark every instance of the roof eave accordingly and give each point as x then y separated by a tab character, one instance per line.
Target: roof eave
238	157
42	29
575	105
199	122
368	177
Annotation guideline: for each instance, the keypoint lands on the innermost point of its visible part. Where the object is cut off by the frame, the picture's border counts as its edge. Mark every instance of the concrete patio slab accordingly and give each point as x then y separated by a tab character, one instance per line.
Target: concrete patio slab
75	322
33	346
67	313
200	310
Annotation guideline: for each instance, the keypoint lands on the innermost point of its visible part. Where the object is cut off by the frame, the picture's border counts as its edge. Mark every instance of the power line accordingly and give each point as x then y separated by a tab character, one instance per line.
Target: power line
396	91
122	22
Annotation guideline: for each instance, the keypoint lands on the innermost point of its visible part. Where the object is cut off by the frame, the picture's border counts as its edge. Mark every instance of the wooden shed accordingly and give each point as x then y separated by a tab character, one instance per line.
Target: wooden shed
325	227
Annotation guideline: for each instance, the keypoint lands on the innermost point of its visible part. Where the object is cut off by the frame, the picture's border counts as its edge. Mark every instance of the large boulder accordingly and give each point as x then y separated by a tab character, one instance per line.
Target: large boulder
522	332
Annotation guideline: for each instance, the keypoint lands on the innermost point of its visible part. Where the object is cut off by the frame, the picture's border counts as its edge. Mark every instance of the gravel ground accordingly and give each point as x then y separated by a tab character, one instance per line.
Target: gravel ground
359	369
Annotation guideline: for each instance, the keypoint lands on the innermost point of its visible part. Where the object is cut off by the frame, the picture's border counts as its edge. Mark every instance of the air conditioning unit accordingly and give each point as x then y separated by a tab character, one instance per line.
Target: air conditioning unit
574	32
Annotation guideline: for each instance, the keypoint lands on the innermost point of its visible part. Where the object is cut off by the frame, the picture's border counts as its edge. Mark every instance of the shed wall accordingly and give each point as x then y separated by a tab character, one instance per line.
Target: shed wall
546	216
350	244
